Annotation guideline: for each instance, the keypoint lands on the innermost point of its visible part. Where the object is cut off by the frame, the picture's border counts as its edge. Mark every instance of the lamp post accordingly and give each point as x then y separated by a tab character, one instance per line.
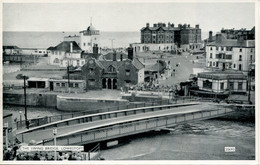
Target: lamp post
25	107
20	112
54	134
6	134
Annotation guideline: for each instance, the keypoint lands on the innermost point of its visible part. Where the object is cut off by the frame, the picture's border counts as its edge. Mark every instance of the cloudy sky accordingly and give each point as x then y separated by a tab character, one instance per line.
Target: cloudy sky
124	16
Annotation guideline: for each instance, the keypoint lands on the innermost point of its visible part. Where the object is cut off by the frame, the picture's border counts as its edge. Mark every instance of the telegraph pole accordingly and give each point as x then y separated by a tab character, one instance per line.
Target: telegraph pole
25	106
112	40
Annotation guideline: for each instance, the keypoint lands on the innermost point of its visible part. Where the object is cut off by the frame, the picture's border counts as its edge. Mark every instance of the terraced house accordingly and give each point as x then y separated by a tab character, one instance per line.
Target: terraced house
235	54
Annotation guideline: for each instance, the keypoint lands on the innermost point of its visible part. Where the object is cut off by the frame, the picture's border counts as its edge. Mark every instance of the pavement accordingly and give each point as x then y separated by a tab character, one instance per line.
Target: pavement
47	133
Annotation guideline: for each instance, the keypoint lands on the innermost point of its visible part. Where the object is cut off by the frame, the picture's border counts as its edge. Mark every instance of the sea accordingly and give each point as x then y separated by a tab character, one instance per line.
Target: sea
24	39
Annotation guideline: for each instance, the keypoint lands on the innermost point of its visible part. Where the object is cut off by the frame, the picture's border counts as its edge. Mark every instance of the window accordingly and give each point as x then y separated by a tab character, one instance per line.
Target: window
111	69
251	50
58	84
71	85
216	48
91	70
59	53
231	86
63	84
91	82
207	84
240	86
76	85
210	63
234	65
251	58
216	64
240	67
82	62
213	63
210	55
222	86
222	48
127	72
84	44
240	50
210	48
240	57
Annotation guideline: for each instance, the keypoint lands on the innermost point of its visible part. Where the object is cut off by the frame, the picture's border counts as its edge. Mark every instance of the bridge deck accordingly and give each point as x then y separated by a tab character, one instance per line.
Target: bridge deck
39	135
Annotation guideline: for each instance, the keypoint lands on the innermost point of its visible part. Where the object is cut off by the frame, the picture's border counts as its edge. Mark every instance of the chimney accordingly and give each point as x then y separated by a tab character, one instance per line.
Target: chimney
71	47
147	25
240	38
130	53
188	25
210	36
197	26
114	56
172	25
164	25
155	25
179	25
169	24
95	49
185	25
218	37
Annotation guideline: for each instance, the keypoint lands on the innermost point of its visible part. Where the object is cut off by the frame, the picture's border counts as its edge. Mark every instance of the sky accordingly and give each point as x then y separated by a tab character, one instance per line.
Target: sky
125	16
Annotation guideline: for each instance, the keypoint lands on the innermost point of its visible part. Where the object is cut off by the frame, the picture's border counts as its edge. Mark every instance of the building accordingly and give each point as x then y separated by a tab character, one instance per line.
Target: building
234	34
236	54
168	38
67	53
112	74
89	38
228	82
8	128
65	85
11	50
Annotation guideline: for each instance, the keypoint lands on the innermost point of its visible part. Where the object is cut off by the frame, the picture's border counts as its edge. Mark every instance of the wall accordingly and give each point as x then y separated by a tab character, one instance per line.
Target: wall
85	104
45	100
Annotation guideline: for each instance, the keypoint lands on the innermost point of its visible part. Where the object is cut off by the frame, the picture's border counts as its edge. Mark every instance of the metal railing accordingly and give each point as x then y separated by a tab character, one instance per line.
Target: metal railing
49	119
125	128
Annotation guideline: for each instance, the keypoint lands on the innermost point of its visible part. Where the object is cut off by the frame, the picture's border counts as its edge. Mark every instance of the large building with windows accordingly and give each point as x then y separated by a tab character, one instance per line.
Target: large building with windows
167	38
236	54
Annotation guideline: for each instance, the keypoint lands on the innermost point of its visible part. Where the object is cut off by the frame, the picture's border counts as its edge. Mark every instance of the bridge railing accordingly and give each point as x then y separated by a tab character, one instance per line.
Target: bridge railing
49	119
128	127
23	135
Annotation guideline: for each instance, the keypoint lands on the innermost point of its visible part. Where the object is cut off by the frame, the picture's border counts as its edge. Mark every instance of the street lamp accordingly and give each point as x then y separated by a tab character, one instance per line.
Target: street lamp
25	107
6	134
54	134
20	112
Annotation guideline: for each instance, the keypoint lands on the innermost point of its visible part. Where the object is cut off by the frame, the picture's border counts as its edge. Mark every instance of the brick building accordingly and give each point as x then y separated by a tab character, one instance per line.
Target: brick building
112	74
167	38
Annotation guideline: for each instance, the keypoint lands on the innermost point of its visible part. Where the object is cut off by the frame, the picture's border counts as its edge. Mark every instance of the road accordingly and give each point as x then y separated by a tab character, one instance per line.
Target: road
48	133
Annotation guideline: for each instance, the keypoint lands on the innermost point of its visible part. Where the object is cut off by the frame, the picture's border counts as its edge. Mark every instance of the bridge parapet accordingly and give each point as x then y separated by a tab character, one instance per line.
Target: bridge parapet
134	126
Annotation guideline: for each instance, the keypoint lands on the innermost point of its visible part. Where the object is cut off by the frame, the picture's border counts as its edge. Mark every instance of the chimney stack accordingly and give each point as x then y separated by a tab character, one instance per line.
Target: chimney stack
130	51
95	49
197	26
218	37
114	56
172	25
210	36
147	24
188	25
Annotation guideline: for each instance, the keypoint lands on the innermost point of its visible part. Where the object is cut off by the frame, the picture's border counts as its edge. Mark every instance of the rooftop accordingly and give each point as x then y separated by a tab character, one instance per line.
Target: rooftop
65	46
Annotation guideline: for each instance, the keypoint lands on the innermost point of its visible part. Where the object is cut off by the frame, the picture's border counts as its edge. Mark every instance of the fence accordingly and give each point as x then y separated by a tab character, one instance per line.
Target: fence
50	119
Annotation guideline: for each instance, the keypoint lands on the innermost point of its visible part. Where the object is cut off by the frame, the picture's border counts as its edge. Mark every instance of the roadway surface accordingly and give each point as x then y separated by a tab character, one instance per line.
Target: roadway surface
39	135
